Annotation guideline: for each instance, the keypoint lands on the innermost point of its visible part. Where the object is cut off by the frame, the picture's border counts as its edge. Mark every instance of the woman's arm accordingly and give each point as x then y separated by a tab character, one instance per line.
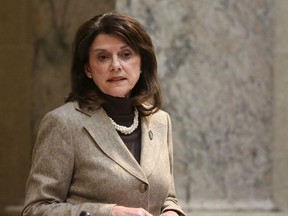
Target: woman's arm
51	174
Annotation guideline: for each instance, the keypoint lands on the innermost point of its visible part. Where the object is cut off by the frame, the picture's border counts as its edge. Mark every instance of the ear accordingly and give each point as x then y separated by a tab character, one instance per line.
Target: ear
87	70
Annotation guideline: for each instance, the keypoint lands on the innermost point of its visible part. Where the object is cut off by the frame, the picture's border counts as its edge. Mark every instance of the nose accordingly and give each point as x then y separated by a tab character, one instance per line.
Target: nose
115	64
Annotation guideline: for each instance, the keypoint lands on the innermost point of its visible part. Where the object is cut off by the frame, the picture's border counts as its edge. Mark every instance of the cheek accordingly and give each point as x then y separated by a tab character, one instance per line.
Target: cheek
99	79
135	64
99	72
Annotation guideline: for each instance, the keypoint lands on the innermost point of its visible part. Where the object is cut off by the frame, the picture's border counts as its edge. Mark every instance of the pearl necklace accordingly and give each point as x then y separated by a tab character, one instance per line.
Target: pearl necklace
127	130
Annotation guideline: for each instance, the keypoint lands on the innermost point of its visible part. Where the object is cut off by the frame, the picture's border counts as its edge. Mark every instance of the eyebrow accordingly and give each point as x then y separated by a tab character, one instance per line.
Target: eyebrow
99	49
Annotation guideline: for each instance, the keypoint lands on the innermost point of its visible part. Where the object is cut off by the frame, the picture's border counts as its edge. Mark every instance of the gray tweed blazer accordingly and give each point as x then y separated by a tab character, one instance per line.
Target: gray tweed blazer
80	163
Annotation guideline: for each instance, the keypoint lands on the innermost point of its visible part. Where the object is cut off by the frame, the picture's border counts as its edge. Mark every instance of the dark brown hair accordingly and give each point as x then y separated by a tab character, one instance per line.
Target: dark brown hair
146	95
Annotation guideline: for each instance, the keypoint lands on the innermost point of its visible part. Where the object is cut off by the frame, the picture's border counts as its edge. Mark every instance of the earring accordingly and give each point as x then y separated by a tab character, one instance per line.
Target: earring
89	76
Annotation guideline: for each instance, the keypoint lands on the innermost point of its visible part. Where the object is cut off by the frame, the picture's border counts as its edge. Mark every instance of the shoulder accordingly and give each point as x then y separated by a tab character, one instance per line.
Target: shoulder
63	111
160	116
67	113
67	107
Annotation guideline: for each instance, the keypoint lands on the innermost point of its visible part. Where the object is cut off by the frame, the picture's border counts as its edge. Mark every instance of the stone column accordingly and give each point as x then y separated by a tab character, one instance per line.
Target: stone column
216	70
54	24
280	144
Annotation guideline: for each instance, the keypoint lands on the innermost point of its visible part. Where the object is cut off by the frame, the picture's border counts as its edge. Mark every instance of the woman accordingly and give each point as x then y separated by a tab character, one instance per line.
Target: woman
108	150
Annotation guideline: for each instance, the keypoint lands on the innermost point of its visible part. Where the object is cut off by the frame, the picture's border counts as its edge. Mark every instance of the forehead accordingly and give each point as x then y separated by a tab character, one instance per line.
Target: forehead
103	41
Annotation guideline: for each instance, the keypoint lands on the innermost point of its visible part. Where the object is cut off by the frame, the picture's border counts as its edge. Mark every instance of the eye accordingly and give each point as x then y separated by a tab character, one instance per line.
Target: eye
126	54
102	57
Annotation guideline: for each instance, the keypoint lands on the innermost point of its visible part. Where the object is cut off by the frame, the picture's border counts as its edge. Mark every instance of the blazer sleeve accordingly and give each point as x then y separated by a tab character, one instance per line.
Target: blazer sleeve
51	172
171	202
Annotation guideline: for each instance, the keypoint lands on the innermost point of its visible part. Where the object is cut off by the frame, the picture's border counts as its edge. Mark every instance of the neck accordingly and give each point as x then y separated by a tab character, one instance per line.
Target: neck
117	105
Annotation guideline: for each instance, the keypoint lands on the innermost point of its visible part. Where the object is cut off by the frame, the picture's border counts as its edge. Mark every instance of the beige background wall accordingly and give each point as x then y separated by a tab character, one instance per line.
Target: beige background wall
34	64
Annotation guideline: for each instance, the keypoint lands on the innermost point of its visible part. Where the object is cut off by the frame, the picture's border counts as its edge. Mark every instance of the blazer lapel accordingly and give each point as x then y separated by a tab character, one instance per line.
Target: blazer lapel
106	137
152	131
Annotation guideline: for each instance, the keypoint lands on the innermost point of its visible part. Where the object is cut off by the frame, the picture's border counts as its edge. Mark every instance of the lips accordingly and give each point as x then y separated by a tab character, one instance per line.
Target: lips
118	78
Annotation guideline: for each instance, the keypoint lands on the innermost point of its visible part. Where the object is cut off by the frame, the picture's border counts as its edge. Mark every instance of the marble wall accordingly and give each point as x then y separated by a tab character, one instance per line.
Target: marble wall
54	24
215	67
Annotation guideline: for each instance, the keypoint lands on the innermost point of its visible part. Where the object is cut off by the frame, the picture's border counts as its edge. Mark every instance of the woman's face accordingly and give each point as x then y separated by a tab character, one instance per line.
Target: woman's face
113	65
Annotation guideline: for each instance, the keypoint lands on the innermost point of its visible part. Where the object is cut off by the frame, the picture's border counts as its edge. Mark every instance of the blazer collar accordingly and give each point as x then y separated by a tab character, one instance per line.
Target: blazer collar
107	138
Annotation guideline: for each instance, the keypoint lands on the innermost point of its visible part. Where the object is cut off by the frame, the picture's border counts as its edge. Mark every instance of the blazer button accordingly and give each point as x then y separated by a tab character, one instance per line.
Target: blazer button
143	187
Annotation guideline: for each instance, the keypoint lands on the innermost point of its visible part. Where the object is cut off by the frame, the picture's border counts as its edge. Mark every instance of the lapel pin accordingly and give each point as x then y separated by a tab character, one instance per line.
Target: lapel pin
150	133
